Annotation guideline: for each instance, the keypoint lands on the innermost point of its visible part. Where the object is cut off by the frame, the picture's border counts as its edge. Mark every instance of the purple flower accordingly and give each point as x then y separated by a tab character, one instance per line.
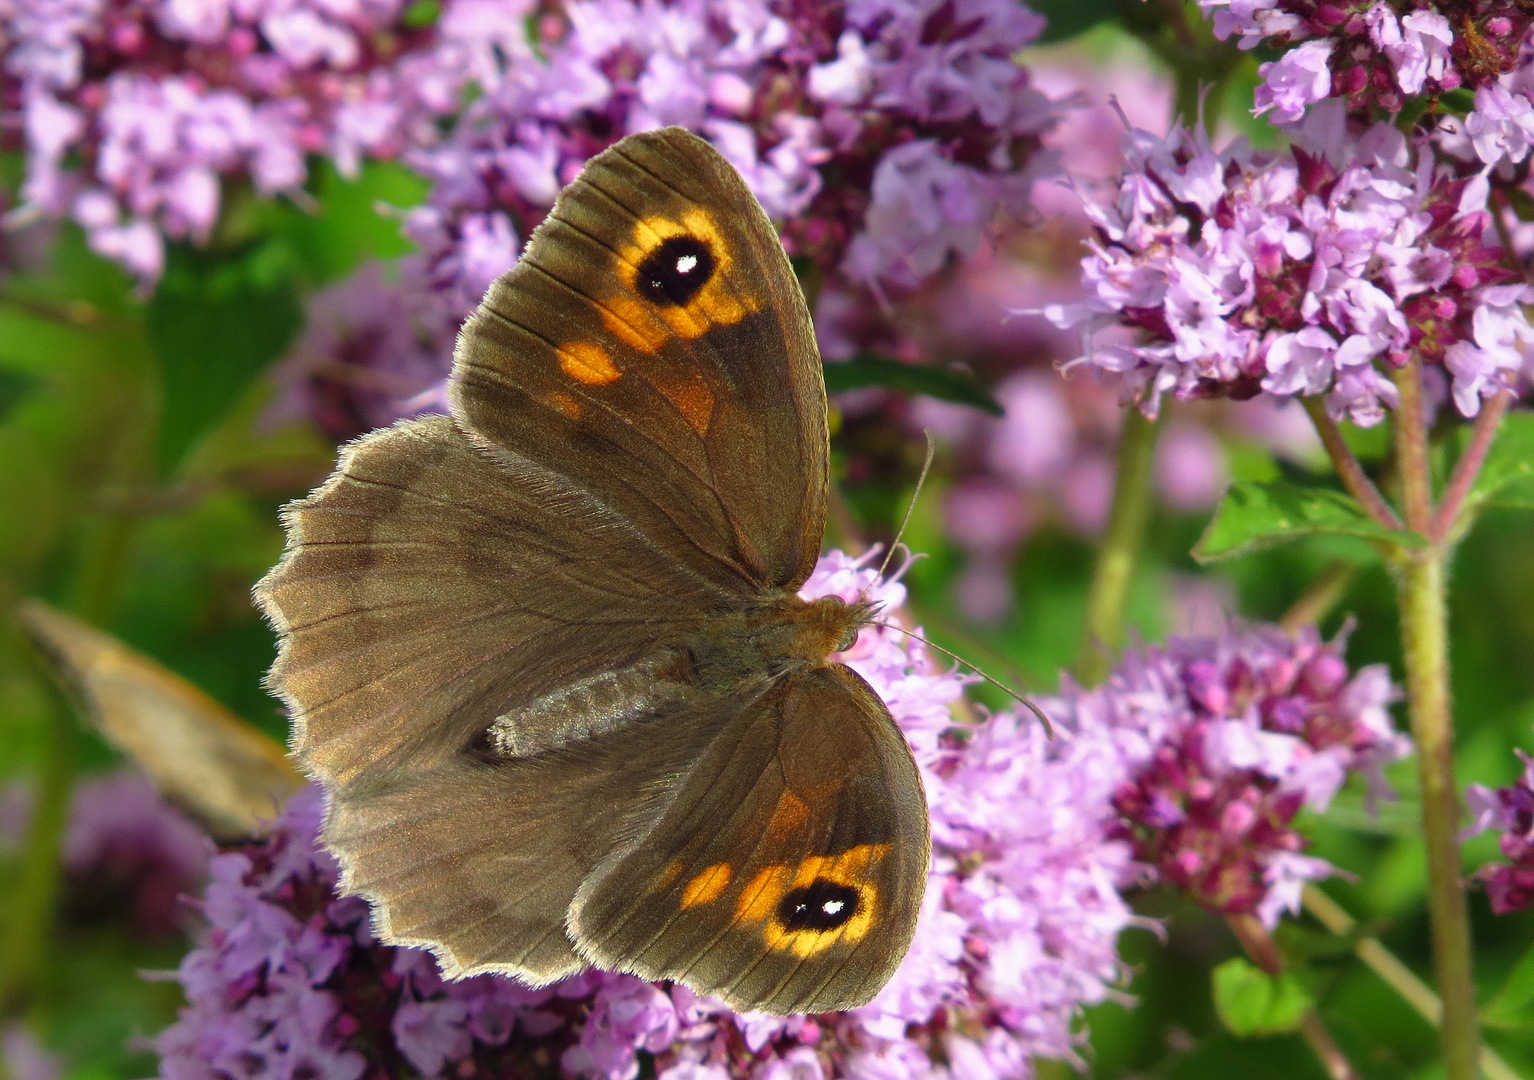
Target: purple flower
122	844
1509	886
377	346
916	107
1377	56
1291	84
1227	738
23	1058
162	100
1298	273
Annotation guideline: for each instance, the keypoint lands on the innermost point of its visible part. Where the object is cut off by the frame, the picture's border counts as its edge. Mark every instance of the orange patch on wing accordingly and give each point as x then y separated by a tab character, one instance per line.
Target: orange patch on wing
692	398
646	326
671	873
790	816
761	895
706	887
588	362
564	404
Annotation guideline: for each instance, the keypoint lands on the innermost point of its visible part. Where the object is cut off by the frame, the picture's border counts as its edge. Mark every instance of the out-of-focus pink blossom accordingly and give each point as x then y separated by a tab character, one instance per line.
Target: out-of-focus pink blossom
1510	885
123	845
161	100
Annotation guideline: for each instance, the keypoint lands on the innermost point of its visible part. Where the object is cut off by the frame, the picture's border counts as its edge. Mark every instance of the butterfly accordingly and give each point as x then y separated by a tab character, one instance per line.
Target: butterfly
546	655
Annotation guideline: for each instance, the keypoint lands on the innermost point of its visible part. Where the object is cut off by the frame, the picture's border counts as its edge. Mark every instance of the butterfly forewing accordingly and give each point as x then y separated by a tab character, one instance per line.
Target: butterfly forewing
787	870
653	347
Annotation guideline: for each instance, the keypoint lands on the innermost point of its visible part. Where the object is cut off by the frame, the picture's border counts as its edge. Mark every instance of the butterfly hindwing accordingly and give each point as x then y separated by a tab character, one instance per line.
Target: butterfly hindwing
788	867
479	857
653	347
438	610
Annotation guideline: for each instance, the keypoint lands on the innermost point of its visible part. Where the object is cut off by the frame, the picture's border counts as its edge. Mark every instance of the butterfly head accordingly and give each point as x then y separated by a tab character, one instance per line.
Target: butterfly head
827	625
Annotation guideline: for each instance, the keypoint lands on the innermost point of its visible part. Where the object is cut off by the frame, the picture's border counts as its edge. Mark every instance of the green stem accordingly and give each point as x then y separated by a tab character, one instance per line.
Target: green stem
1319	599
25	938
1349	470
1422	585
1446	517
1102	630
1396	975
24	943
1412	461
1424	640
1260	946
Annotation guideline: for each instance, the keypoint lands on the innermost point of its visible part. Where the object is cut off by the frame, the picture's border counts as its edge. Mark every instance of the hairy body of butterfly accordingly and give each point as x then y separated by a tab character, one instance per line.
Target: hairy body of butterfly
547	658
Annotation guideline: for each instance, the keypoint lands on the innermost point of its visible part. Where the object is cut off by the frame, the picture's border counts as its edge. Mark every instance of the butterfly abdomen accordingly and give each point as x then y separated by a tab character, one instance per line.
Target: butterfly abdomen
654	686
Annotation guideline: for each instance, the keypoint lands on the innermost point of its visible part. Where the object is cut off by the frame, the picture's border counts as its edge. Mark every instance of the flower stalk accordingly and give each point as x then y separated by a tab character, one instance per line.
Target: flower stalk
1263	950
24	938
1349	470
1102	629
23	945
1400	978
1446	517
1421	584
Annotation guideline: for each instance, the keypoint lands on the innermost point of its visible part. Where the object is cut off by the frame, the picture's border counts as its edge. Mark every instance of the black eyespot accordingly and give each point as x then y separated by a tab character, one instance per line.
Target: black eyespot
820	905
673	273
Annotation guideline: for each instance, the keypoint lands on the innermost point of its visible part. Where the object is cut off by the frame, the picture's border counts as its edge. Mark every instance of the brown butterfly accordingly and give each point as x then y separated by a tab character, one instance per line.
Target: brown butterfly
547	658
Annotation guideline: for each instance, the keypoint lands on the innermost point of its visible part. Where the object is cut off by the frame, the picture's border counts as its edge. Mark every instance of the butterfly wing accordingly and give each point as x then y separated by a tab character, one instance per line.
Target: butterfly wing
430	600
653	347
787	869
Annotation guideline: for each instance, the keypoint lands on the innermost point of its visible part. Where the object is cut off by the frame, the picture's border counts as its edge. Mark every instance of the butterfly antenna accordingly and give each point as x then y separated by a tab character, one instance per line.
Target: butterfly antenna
926	467
1049	729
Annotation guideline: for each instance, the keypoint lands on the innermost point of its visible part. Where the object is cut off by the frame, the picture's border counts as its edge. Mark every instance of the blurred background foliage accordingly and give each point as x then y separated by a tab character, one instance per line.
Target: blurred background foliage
140	487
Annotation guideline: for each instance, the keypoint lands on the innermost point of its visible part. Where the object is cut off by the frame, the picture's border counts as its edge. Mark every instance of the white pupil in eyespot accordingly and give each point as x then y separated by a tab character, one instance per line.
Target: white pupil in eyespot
685	264
832	907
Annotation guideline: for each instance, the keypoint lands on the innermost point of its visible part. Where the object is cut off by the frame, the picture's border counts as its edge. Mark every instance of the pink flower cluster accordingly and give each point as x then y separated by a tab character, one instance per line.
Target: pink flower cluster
124	848
1233	735
889	132
1375	54
889	136
1018	933
376	346
161	100
1509	885
1300	273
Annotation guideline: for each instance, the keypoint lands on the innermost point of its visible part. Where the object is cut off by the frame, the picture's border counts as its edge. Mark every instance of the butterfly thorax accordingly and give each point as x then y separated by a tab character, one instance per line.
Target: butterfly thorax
768	641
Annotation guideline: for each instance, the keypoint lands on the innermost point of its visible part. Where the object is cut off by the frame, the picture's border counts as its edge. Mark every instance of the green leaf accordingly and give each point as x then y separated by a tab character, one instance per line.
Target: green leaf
14	386
1513	1007
1249	1001
348	228
1507	476
421	14
1069	18
1260	514
945	384
216	322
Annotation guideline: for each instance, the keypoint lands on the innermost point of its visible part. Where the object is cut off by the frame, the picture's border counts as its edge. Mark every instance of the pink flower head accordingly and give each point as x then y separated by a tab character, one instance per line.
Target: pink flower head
1229	737
1291	84
1372	56
1297	273
1509	885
